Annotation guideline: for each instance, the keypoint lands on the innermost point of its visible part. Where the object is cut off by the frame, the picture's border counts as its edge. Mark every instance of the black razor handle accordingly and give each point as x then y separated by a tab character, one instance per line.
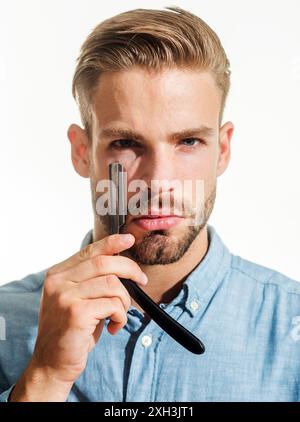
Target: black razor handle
162	318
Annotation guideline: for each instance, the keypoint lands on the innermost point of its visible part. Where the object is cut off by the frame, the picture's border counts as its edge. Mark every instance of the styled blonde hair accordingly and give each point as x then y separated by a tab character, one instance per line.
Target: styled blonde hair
151	39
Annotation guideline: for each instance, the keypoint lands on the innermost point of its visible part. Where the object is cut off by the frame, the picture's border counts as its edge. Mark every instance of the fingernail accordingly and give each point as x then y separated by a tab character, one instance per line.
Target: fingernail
144	278
126	238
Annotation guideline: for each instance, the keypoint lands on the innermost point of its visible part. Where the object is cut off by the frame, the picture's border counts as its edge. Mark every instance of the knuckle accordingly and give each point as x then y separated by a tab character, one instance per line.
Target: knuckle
117	303
119	307
50	284
112	281
98	261
49	272
124	318
86	252
63	299
75	311
110	241
125	297
128	301
113	284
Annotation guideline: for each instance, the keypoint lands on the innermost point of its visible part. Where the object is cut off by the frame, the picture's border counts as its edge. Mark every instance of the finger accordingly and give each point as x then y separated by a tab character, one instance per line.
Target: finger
111	308
101	265
97	333
104	286
109	245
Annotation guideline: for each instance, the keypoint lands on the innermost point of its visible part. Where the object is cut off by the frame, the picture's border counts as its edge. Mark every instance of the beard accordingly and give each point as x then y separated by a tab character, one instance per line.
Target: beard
159	247
162	247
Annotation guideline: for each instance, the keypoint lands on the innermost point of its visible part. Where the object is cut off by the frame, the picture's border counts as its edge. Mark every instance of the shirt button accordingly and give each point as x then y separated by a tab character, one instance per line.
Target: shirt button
194	305
146	341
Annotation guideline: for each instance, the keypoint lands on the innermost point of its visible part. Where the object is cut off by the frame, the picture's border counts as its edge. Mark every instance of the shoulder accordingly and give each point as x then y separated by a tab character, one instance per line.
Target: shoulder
29	283
263	276
22	294
266	285
19	310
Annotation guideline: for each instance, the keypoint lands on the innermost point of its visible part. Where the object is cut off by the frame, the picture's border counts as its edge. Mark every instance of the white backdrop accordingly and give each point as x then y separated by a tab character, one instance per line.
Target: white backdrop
45	205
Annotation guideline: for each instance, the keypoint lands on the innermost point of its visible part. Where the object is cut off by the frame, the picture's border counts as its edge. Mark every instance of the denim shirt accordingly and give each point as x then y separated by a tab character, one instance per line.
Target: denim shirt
247	315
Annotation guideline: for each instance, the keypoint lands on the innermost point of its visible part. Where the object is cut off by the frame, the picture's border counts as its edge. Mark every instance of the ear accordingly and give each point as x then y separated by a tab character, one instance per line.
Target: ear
225	135
79	149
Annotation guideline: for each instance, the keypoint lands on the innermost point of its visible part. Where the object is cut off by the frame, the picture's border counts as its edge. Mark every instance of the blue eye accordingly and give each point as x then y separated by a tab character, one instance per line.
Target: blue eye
190	142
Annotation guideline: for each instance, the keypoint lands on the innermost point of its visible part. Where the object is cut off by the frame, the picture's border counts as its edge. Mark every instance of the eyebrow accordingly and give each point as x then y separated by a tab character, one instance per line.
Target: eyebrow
185	133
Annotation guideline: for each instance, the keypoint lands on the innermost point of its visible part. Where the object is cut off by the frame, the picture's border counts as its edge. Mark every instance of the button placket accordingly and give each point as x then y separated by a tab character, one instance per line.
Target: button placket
146	340
194	305
144	359
142	365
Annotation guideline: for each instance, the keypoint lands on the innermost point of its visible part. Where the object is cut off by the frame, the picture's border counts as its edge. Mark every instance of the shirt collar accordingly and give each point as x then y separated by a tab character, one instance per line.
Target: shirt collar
206	277
88	238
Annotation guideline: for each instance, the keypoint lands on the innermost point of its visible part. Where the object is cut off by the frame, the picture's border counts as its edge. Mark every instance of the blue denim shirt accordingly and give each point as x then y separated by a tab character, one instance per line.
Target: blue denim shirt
247	315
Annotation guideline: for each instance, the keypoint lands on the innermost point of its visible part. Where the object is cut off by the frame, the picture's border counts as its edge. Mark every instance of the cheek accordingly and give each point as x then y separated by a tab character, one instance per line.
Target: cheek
204	172
208	162
201	166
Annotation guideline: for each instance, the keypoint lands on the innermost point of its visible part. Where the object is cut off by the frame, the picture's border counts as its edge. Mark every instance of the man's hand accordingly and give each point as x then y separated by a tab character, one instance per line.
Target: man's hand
78	295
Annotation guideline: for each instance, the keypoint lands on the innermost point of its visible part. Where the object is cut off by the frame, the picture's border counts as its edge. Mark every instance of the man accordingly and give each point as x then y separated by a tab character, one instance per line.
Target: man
151	87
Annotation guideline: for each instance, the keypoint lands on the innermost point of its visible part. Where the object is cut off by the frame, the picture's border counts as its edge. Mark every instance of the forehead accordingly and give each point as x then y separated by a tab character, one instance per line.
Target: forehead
170	96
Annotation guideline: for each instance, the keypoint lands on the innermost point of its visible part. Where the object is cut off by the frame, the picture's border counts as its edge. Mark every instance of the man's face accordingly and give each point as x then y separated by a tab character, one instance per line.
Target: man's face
152	107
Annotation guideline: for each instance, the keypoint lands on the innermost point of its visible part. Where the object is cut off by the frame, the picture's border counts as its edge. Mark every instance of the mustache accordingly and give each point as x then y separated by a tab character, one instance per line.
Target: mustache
162	202
144	206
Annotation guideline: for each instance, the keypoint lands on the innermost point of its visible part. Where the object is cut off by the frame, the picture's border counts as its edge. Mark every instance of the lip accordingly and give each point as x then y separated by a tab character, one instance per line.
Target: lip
157	222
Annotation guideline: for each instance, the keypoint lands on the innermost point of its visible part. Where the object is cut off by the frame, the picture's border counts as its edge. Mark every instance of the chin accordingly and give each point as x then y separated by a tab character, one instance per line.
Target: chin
161	247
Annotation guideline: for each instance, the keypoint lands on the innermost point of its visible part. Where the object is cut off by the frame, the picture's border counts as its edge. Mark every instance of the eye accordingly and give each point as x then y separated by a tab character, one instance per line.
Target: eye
124	144
190	142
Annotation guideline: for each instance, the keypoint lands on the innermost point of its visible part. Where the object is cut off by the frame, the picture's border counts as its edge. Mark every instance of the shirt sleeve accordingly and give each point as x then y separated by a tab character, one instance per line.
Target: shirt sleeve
5	394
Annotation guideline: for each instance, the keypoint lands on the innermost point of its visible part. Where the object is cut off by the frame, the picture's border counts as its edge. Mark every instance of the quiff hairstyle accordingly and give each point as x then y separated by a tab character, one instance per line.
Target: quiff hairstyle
153	40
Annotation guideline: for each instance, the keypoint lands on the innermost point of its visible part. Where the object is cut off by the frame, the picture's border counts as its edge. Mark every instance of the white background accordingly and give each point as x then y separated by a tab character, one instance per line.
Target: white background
45	205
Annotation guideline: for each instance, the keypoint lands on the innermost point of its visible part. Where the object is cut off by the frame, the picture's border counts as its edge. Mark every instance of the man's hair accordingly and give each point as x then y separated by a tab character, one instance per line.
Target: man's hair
150	39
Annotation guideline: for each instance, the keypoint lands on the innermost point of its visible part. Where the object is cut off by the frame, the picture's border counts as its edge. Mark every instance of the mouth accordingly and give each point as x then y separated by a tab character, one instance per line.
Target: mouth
157	221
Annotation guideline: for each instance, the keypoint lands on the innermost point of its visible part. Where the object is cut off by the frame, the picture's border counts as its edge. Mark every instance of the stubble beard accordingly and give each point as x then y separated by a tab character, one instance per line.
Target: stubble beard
161	247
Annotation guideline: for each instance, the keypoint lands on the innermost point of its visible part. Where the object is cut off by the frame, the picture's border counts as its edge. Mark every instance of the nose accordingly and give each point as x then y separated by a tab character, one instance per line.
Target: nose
160	173
160	165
